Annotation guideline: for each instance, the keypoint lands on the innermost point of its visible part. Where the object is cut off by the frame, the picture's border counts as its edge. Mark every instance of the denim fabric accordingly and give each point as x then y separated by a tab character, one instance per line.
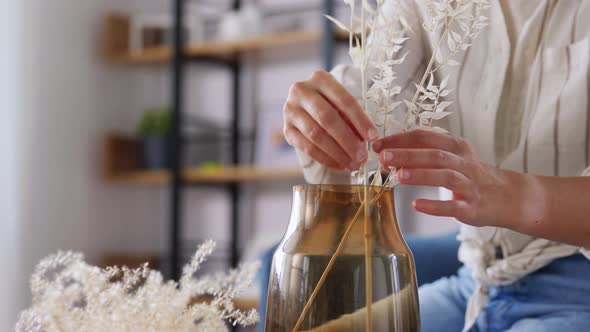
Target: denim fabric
435	257
555	298
264	276
444	248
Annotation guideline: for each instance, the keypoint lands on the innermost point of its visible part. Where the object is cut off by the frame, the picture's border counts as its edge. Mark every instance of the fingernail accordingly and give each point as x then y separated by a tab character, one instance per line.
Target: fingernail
404	174
361	155
388	156
377	145
373	134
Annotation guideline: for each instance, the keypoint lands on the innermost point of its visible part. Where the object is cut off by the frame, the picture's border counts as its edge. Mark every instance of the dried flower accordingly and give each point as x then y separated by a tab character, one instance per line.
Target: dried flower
453	22
70	295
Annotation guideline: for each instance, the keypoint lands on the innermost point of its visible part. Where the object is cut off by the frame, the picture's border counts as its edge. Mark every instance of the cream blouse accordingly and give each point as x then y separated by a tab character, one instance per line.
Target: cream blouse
523	106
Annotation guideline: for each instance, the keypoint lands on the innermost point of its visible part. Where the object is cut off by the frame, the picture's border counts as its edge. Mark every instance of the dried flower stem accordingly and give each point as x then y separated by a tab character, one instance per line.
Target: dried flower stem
427	72
428	68
368	264
368	256
471	30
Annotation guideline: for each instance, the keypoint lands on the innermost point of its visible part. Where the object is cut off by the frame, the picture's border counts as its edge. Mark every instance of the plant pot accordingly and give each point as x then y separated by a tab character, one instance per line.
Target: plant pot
318	278
155	152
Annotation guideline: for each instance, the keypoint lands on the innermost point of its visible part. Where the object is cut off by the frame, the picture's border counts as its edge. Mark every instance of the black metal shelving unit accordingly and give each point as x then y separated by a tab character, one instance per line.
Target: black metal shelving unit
179	61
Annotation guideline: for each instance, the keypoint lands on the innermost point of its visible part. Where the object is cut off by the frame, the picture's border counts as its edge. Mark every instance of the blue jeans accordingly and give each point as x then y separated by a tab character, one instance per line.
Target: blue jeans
424	249
554	298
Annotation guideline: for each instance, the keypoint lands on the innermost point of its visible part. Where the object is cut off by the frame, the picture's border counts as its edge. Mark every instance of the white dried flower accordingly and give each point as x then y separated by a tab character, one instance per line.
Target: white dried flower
70	295
455	23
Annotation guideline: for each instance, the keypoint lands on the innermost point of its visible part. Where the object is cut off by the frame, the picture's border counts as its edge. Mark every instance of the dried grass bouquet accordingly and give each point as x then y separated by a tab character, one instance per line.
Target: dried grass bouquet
72	296
452	23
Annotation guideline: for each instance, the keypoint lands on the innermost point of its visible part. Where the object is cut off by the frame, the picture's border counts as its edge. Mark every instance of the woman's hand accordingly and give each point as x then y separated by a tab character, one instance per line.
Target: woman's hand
482	195
324	121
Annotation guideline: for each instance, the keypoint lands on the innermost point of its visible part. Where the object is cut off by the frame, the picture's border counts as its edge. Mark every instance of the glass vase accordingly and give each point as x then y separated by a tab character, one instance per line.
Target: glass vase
342	249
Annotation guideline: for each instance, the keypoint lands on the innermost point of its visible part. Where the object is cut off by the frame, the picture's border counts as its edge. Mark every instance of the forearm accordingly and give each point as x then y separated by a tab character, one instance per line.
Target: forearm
554	208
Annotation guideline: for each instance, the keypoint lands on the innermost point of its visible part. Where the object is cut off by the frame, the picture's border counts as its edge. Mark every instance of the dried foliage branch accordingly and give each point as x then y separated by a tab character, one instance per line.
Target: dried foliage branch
70	295
454	23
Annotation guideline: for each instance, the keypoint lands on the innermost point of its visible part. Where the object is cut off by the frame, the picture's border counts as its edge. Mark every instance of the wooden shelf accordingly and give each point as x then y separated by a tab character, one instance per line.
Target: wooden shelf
116	45
200	175
122	165
219	49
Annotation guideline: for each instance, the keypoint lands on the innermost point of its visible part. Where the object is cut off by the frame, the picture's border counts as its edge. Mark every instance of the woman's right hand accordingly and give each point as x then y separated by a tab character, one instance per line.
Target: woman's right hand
327	123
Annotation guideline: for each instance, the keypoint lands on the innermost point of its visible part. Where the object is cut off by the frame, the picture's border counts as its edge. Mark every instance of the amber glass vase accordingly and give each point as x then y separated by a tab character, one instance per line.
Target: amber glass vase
337	236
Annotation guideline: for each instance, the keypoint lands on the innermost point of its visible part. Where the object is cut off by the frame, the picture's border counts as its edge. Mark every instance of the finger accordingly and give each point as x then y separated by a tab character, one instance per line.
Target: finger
421	139
296	139
422	158
338	96
457	209
331	121
452	180
319	137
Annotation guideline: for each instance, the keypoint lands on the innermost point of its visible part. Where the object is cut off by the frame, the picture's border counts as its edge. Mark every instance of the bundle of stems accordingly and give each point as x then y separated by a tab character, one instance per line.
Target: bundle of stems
364	207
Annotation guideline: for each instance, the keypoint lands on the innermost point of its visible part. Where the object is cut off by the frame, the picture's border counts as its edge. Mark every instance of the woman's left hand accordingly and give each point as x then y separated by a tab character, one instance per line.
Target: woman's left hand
480	192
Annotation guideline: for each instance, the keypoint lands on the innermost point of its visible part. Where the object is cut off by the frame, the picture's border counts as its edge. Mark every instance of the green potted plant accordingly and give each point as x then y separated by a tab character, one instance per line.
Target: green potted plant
154	130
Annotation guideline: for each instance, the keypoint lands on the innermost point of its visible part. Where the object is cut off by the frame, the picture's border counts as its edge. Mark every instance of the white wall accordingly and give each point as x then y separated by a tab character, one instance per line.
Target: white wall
58	102
11	273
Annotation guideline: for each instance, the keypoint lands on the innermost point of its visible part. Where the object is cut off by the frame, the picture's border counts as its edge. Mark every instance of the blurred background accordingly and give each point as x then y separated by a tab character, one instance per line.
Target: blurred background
90	89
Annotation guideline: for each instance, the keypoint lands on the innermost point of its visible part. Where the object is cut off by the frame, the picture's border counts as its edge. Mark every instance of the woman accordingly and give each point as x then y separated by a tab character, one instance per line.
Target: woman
515	162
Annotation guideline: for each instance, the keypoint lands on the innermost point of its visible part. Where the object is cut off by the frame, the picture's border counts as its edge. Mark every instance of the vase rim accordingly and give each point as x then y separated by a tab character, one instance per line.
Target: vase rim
339	187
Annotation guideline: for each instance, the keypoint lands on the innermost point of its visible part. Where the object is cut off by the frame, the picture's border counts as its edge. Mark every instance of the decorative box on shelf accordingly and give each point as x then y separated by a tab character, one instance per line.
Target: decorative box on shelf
134	34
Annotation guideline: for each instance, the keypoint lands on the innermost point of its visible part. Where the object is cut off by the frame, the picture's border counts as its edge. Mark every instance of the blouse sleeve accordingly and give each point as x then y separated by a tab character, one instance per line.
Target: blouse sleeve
350	77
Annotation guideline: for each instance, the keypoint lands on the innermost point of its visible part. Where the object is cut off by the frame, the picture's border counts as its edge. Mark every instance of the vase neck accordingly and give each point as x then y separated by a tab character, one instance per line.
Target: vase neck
322	214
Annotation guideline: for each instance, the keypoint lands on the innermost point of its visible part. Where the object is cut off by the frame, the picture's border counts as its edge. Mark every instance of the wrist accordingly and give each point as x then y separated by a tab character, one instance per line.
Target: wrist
525	201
